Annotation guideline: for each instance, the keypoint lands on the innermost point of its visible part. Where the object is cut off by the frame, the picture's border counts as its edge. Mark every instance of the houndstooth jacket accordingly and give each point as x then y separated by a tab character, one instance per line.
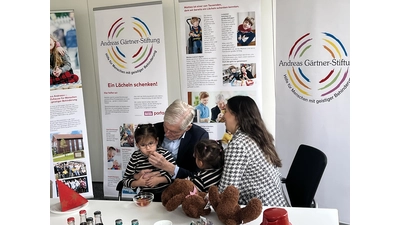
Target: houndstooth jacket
247	169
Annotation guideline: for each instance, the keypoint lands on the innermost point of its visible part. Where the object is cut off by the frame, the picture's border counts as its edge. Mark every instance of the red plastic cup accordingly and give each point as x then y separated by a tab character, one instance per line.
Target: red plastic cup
275	216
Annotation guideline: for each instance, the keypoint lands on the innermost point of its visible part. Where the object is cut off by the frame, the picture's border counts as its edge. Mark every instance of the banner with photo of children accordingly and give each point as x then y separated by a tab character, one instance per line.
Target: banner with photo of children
69	150
221	57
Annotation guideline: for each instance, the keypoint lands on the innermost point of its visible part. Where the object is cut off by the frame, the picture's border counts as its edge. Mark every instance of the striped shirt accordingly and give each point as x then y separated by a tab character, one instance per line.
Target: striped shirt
140	162
206	178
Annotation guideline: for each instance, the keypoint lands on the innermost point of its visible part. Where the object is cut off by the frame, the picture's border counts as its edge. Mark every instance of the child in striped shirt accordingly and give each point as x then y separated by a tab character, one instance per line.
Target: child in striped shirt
209	156
147	142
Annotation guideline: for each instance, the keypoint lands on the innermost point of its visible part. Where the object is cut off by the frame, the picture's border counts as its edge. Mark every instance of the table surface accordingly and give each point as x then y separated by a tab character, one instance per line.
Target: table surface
127	210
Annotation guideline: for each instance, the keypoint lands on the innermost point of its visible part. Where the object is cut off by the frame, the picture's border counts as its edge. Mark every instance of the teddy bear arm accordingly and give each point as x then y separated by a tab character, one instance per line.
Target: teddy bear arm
174	202
214	196
193	206
251	211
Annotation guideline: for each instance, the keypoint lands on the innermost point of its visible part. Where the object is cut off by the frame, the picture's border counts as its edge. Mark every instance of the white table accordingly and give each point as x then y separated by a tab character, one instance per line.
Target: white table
127	210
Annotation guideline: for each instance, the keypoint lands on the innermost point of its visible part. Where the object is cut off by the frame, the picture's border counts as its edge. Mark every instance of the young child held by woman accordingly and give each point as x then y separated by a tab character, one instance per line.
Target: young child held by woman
147	142
209	156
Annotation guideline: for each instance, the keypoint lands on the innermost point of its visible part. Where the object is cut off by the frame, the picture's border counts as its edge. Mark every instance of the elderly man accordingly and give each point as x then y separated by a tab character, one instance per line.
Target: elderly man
178	135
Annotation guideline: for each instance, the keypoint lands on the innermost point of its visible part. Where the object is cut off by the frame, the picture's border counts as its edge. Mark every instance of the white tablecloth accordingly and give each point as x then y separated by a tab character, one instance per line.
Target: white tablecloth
127	210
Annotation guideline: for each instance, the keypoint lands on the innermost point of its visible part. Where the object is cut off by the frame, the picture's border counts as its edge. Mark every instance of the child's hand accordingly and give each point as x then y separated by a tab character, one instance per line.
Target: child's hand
152	182
141	182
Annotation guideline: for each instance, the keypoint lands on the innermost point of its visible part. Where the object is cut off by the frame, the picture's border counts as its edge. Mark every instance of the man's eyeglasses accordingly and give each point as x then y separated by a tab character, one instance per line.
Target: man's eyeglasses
172	131
150	144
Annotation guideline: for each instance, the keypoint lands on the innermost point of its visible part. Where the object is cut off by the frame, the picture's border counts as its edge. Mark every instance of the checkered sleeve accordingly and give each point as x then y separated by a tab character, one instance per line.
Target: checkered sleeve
236	161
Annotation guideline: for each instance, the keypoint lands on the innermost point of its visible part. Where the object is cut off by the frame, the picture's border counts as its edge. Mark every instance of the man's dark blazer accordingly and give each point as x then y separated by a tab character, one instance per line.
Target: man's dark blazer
214	113
185	160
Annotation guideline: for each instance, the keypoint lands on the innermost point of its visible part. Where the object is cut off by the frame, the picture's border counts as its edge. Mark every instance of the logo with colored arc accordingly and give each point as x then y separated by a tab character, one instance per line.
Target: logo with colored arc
130	45
317	68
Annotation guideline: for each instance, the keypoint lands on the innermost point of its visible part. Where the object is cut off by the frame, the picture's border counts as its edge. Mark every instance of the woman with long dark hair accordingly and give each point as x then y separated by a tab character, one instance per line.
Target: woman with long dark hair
251	161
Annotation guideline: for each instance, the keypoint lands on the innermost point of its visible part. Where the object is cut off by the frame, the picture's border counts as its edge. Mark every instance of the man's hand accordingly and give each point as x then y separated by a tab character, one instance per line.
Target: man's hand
158	160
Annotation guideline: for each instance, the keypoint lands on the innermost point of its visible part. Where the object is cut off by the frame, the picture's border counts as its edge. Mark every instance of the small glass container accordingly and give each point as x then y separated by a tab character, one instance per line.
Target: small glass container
118	222
82	216
97	218
89	220
71	221
135	222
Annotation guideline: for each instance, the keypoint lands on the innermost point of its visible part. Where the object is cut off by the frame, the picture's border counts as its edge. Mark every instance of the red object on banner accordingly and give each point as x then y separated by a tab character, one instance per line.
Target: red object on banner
69	198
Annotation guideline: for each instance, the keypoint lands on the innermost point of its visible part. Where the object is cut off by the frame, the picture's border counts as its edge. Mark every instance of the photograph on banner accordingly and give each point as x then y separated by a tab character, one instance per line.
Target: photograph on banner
239	74
210	107
194	35
80	184
64	57
114	158
126	135
68	160
246	31
67	146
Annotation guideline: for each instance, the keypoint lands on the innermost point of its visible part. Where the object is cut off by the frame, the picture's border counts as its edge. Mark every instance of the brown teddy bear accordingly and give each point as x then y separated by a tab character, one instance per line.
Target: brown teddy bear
226	206
184	192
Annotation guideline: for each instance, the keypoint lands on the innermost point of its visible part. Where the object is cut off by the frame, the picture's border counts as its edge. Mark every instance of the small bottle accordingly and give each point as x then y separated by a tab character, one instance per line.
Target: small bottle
71	221
89	220
118	222
83	223
135	222
82	216
97	218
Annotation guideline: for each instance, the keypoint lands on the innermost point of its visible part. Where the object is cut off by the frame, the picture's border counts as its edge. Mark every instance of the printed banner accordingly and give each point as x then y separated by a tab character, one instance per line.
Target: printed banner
313	91
69	150
220	44
133	81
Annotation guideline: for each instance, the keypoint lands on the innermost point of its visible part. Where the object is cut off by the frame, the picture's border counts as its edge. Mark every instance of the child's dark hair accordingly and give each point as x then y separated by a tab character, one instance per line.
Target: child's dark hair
144	131
210	152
